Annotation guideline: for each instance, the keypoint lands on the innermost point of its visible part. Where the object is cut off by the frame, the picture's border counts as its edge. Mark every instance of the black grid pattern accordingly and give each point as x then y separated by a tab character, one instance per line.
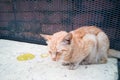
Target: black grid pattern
20	18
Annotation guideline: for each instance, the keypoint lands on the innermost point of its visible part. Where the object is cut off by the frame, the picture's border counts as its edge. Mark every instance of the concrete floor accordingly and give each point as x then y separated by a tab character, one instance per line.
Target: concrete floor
43	68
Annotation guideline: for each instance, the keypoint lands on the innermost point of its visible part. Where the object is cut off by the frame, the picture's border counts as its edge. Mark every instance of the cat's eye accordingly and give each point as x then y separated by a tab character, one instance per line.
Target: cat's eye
64	50
57	52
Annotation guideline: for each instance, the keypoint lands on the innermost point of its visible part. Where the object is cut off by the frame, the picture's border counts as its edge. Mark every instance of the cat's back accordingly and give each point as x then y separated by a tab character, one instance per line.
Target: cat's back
86	30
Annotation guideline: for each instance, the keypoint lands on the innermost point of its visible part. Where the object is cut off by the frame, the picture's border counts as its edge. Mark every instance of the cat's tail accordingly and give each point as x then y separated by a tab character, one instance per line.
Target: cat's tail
114	53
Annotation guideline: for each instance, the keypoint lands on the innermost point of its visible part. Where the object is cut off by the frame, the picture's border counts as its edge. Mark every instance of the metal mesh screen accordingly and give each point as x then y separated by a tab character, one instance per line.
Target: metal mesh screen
25	19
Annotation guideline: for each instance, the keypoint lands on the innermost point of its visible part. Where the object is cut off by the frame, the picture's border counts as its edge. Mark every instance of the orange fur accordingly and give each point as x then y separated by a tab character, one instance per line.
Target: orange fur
85	45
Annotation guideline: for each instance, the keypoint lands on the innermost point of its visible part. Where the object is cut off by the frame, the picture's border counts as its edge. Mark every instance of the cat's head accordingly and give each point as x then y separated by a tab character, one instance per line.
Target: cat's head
58	44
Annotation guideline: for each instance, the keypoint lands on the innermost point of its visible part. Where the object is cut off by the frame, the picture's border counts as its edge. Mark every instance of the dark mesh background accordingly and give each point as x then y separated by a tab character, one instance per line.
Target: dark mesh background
24	20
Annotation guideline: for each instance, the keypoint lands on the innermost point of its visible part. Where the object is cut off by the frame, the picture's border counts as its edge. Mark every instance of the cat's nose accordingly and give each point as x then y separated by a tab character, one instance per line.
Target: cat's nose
54	59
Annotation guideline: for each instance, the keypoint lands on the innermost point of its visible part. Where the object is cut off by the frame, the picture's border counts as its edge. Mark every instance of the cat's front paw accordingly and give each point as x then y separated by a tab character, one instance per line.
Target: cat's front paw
73	66
65	64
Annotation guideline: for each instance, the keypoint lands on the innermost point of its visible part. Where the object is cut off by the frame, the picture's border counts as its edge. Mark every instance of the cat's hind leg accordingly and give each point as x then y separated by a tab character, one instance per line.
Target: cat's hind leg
91	49
103	46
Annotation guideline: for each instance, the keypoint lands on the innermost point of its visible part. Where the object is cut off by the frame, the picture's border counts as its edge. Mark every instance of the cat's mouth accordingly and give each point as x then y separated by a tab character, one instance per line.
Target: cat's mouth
54	59
58	59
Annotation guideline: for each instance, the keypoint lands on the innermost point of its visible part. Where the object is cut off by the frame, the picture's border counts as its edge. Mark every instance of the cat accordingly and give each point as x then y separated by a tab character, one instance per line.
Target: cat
85	45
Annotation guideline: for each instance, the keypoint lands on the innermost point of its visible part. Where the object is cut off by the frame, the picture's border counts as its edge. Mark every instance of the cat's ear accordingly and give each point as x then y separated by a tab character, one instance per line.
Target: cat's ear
46	37
67	39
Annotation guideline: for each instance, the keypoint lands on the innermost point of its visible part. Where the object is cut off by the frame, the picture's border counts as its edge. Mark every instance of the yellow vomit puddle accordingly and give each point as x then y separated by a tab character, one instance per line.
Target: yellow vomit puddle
25	57
29	56
44	55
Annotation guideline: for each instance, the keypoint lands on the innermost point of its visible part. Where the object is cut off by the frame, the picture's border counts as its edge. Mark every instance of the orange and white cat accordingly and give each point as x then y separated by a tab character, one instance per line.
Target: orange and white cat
85	45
